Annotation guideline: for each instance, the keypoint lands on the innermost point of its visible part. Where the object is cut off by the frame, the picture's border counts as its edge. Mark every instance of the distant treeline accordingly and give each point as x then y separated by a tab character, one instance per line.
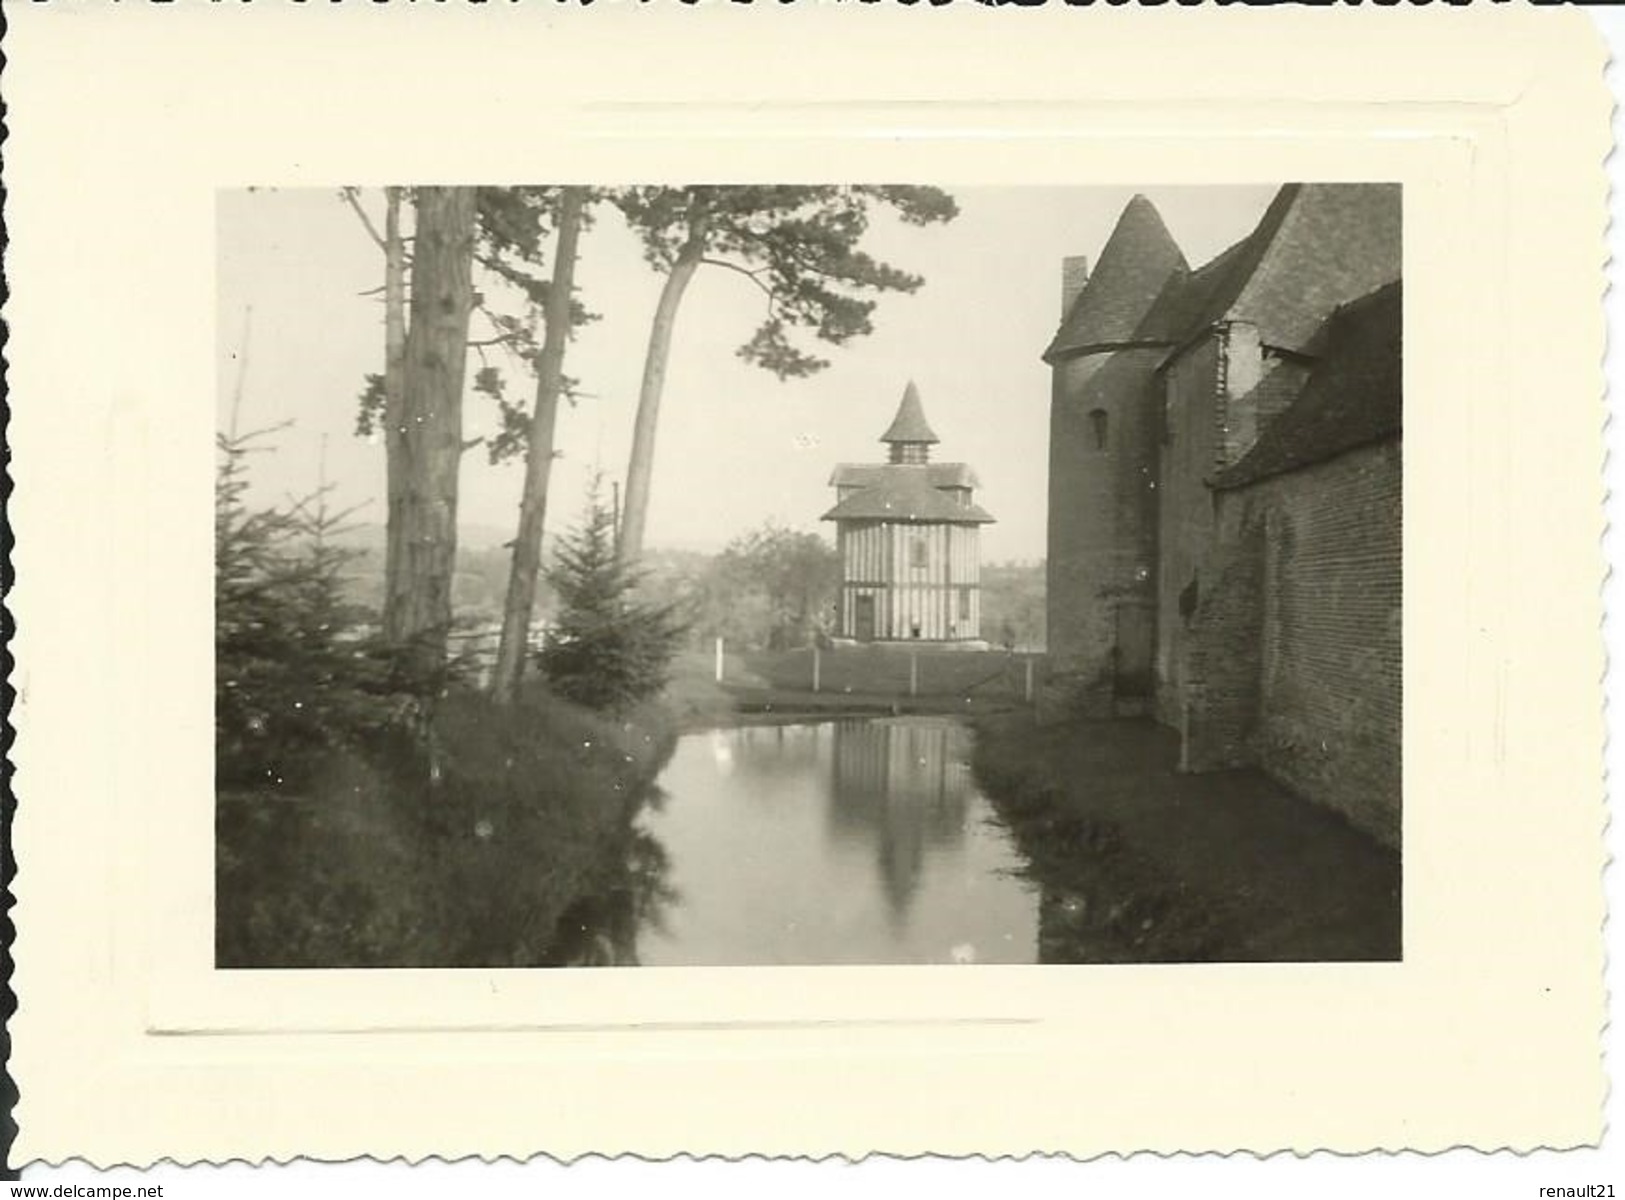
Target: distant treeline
771	588
776	589
478	587
1013	601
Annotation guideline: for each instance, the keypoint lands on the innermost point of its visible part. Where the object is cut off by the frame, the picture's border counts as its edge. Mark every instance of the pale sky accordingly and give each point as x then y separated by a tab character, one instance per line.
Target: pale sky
736	447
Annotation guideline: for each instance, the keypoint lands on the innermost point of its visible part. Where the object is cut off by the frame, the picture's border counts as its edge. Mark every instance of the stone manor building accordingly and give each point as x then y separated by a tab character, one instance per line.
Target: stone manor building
1224	494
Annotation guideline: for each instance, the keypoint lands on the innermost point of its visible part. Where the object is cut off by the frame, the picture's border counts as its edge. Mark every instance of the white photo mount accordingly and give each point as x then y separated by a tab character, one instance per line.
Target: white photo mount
129	1047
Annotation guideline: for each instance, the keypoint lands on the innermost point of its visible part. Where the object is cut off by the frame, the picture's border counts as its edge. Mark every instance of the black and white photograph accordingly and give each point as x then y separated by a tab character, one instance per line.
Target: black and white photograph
752	575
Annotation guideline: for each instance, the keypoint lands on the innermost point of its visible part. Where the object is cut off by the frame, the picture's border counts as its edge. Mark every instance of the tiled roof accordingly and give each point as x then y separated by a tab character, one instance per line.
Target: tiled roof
1316	245
1352	397
1194	301
1333	242
909	425
904	492
939	475
1134	267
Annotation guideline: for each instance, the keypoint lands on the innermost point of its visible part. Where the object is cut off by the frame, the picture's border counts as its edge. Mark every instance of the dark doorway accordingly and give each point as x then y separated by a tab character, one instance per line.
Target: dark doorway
863	618
1134	649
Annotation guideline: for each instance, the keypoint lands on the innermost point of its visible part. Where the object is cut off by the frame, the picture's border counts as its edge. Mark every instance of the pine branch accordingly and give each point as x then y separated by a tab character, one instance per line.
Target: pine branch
754	276
349	195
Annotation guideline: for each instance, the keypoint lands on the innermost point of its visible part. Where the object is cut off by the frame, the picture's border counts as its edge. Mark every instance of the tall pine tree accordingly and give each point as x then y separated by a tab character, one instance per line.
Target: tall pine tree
422	551
538	435
801	246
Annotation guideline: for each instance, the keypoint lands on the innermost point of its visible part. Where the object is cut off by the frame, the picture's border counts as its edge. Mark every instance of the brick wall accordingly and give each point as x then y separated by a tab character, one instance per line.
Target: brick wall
1218	396
1220	701
1278	386
1255	385
1316	555
1186	511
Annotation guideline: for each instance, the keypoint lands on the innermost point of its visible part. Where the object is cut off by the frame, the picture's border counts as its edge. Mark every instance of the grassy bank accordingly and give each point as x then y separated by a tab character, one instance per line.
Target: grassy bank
776	685
469	851
1135	862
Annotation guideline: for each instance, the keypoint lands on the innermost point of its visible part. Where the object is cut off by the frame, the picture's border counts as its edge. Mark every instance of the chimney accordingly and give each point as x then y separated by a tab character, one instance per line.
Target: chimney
1074	274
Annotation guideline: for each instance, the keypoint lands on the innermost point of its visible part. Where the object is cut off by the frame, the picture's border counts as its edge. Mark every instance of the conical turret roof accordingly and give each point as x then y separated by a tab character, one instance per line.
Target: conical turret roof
1136	264
909	425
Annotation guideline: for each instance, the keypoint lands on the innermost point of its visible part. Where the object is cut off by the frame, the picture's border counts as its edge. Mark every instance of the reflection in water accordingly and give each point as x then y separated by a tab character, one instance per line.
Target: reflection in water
859	842
601	930
898	783
769	752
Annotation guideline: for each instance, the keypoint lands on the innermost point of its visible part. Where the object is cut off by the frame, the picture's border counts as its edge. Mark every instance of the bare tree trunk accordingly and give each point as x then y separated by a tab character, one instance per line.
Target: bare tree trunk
417	606
527	547
396	468
641	467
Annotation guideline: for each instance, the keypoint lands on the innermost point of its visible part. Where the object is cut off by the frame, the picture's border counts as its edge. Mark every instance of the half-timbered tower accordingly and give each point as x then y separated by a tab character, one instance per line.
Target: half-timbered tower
907	534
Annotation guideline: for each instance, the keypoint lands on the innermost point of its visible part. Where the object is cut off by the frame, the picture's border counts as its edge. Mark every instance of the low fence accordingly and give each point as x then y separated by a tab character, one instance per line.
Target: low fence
888	672
476	649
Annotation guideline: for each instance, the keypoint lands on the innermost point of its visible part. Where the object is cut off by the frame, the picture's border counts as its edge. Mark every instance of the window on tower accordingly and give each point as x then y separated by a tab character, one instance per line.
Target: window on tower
912	453
1098	427
919	551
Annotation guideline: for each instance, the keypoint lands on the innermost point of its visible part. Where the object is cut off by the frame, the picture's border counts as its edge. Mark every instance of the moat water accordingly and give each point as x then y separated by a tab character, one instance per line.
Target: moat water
858	842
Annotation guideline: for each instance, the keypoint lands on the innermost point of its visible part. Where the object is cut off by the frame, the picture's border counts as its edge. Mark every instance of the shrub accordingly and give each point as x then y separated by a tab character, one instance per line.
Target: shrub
516	850
607	650
297	675
367	816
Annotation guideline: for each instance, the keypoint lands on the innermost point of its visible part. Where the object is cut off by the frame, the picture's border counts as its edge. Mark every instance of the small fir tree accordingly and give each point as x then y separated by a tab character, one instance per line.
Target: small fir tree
296	673
606	650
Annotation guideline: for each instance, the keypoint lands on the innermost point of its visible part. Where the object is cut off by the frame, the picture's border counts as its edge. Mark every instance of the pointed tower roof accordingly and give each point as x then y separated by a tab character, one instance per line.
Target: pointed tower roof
1135	266
909	425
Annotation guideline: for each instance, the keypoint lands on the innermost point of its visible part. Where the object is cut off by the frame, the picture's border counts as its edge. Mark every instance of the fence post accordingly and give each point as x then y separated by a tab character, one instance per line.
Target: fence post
719	660
913	673
1027	690
816	665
